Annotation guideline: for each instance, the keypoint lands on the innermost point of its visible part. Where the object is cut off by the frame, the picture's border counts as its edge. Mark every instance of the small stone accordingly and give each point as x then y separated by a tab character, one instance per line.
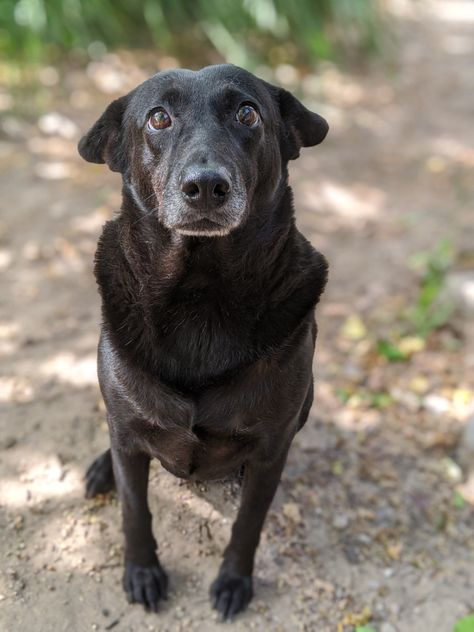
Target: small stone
341	521
388	627
373	584
451	470
352	554
436	404
460	289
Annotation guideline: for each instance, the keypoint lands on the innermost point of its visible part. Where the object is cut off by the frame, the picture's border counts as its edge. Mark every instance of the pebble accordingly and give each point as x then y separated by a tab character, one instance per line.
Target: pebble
363	538
436	404
341	521
388	627
351	554
451	470
460	289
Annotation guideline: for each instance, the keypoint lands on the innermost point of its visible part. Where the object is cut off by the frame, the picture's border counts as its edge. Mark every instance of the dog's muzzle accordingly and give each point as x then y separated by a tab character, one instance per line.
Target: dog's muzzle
204	201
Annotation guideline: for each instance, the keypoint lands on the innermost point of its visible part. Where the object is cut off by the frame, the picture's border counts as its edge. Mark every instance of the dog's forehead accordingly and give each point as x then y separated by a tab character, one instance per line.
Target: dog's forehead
201	84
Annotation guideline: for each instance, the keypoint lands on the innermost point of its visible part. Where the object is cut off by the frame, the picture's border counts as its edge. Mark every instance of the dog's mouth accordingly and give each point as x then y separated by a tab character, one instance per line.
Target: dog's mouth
202	227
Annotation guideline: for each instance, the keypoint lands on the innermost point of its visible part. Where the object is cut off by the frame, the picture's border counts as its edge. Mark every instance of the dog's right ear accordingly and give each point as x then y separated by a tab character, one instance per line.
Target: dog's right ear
103	142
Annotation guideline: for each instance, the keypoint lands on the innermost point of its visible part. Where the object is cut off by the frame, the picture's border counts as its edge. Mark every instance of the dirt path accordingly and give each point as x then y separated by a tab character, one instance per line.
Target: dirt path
367	524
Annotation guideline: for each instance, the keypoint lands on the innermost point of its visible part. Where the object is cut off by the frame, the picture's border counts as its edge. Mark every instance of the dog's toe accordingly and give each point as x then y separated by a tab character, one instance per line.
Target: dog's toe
231	593
100	476
147	585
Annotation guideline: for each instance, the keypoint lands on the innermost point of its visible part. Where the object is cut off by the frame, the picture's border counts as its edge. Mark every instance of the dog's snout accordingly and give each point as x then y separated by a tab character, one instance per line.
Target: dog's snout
205	188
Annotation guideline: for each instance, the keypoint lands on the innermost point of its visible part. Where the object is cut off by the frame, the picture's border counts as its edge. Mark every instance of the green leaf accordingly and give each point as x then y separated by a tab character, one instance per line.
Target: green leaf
380	400
458	500
365	628
390	351
343	394
465	625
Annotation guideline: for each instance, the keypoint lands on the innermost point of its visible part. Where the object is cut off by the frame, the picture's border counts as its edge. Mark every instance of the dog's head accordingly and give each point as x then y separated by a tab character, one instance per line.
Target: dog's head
202	149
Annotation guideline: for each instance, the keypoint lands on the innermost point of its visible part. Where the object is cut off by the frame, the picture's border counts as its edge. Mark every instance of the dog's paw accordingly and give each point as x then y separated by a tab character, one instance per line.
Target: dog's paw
100	476
147	585
231	593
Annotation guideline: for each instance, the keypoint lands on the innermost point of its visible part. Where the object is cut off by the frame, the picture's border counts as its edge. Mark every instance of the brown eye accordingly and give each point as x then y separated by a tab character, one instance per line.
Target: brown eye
159	119
248	115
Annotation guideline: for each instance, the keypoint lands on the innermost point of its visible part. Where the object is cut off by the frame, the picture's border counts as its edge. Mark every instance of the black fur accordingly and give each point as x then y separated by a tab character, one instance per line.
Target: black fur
205	357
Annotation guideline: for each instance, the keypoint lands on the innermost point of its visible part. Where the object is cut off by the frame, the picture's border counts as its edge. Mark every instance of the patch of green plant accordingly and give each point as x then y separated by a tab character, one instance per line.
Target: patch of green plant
365	628
390	351
430	312
373	399
380	399
343	394
465	625
241	31
458	500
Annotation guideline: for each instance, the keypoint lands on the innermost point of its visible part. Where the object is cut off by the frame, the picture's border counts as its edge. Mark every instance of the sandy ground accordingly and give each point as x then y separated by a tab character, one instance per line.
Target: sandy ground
367	525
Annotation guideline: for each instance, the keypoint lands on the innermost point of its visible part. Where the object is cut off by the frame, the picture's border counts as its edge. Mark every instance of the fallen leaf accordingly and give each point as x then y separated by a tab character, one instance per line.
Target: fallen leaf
292	512
354	328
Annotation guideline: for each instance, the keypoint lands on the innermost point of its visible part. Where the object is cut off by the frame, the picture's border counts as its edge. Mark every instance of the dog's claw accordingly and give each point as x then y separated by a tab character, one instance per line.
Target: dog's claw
231	593
147	585
100	476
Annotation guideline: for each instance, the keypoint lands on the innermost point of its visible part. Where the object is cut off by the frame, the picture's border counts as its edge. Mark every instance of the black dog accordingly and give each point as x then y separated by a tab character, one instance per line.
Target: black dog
208	296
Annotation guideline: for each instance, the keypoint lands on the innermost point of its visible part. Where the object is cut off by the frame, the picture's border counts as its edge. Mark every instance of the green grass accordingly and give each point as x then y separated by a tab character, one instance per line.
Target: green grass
429	312
241	31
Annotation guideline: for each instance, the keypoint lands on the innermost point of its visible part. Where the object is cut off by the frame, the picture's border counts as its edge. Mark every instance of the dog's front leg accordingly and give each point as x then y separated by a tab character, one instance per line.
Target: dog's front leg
232	590
144	580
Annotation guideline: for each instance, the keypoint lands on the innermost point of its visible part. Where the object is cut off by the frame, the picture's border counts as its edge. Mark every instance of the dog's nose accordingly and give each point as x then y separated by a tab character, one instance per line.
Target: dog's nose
205	188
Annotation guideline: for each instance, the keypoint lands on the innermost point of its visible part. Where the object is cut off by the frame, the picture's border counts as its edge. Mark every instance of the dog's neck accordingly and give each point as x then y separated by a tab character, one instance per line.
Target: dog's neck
206	305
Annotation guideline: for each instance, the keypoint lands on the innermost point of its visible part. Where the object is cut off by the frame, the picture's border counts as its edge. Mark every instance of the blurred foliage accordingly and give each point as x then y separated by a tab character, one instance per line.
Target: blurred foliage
431	309
465	625
245	32
429	312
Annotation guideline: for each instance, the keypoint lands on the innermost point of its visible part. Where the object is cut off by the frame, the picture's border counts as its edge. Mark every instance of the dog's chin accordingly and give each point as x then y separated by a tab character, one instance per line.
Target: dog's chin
203	228
182	219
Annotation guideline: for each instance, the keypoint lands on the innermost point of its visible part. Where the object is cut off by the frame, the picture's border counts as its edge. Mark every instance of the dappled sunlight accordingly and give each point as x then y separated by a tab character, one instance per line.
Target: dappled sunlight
354	203
92	222
454	150
6	258
467	488
457	44
457	11
8	337
17	389
67	367
41	478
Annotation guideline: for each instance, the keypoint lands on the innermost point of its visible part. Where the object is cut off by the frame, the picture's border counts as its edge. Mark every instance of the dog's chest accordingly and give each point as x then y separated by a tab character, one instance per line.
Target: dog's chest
196	455
202	333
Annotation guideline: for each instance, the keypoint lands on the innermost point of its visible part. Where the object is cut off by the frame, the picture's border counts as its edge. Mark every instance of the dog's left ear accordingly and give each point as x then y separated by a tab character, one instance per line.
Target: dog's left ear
103	142
301	127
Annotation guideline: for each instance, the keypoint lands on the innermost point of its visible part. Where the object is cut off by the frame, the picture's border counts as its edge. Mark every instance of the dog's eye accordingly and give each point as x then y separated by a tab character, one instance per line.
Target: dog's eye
248	115
159	119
